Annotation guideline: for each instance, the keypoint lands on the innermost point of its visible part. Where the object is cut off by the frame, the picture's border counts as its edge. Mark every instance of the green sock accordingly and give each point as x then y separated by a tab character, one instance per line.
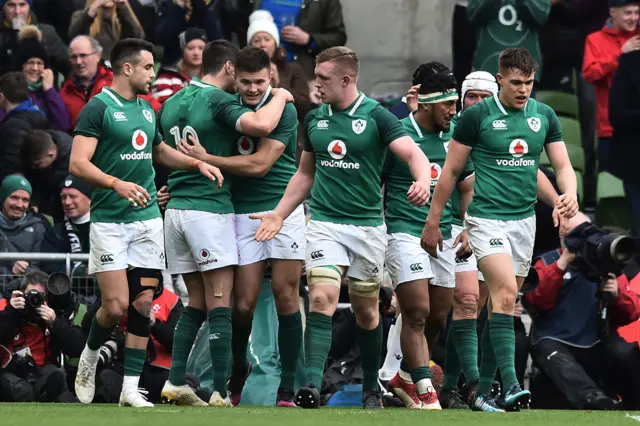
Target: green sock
183	338
317	342
370	343
404	365
220	347
97	335
289	346
239	344
488	363
134	361
452	367
465	339
503	338
420	373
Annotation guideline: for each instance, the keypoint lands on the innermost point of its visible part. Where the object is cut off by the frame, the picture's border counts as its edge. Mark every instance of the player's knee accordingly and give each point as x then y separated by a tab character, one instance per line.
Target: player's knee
505	300
143	302
286	298
115	308
465	305
322	282
142	284
415	317
243	309
322	301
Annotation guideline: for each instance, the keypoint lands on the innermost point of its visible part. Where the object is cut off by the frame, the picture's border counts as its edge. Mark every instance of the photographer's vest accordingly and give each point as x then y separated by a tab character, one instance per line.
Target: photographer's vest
31	340
631	332
573	320
162	307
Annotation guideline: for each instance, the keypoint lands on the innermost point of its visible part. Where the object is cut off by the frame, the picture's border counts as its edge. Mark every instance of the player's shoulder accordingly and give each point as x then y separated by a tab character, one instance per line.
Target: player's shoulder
97	102
475	114
290	112
314	115
538	107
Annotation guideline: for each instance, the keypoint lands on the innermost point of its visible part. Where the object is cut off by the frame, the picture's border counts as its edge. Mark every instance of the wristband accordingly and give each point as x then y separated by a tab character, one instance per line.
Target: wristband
111	182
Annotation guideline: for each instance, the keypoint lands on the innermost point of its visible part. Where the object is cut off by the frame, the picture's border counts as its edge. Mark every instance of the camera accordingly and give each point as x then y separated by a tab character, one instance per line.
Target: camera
107	352
61	299
599	253
34	298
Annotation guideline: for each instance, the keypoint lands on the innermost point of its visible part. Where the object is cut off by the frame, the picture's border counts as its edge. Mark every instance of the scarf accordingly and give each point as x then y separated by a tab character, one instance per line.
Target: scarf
10	225
35	87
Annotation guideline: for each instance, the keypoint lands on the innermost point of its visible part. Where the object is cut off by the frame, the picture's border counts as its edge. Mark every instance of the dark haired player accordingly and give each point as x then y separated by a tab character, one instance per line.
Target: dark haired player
115	140
424	286
263	167
505	136
199	222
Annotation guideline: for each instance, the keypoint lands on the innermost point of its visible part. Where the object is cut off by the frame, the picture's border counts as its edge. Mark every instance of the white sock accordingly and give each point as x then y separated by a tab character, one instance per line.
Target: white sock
405	376
130	383
91	355
423	386
394	352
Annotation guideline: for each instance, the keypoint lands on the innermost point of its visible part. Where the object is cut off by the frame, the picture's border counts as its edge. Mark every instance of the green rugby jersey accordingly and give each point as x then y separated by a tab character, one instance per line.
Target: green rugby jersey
350	147
126	131
400	216
209	115
253	194
506	146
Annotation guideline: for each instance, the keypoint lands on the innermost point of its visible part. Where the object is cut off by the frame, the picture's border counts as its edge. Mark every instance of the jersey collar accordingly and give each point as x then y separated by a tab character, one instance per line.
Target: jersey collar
262	101
417	127
355	106
119	100
195	81
502	108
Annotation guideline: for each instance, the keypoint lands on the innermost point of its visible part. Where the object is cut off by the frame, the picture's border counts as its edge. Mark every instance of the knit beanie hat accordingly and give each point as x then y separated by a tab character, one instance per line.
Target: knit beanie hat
2	2
13	183
479	80
30	46
75	183
261	21
191	34
621	3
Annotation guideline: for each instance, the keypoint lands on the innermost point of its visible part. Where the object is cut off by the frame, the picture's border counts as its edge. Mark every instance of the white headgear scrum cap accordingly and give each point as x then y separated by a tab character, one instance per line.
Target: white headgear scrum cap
261	21
479	80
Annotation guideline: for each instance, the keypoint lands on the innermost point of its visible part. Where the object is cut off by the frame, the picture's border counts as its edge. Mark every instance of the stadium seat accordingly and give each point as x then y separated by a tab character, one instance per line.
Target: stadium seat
571	131
613	207
564	104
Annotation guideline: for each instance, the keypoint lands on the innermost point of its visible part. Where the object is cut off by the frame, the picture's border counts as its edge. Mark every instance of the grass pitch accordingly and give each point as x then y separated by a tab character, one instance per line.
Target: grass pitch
111	415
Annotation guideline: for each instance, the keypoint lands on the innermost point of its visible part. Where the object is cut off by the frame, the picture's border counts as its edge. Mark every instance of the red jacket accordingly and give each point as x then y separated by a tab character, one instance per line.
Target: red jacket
601	52
168	83
625	309
76	97
31	340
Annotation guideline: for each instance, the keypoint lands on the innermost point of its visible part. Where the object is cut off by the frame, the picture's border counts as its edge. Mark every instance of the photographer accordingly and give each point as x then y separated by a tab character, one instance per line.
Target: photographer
35	334
575	318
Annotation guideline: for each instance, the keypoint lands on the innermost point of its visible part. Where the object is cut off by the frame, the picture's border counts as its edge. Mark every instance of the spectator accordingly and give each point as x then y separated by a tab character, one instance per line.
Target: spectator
15	15
35	336
70	235
33	61
171	79
45	154
107	21
57	13
624	112
88	78
21	230
602	48
508	23
263	33
175	16
570	344
307	28
22	115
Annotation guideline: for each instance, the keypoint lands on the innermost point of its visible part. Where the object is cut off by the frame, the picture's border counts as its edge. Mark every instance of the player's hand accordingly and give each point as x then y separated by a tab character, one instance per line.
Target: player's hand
431	240
47	79
17	300
269	227
517	311
20	267
567	206
419	193
412	98
47	314
163	197
136	195
465	248
283	92
211	172
632	44
193	149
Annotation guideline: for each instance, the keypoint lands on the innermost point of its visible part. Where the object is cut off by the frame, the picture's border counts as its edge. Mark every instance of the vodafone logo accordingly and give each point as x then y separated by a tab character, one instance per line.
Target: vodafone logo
436	171
245	145
337	150
139	140
518	148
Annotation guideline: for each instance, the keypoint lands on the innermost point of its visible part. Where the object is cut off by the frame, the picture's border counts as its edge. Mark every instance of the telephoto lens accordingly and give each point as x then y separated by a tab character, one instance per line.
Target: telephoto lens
107	352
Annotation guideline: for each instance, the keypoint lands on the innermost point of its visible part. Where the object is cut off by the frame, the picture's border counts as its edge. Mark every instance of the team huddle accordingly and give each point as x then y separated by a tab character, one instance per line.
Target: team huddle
234	208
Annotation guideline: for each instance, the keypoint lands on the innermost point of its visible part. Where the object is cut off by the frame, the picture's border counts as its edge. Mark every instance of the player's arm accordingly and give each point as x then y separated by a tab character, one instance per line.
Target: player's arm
257	164
299	186
546	192
264	121
567	202
80	164
175	160
465	189
409	152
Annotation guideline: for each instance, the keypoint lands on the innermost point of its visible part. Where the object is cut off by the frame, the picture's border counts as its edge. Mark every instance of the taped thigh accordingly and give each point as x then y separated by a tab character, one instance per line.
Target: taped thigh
325	275
364	288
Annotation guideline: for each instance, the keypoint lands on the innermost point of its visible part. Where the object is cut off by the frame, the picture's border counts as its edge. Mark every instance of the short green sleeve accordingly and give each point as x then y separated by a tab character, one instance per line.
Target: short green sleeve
287	126
90	119
467	128
228	109
554	134
305	130
389	126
